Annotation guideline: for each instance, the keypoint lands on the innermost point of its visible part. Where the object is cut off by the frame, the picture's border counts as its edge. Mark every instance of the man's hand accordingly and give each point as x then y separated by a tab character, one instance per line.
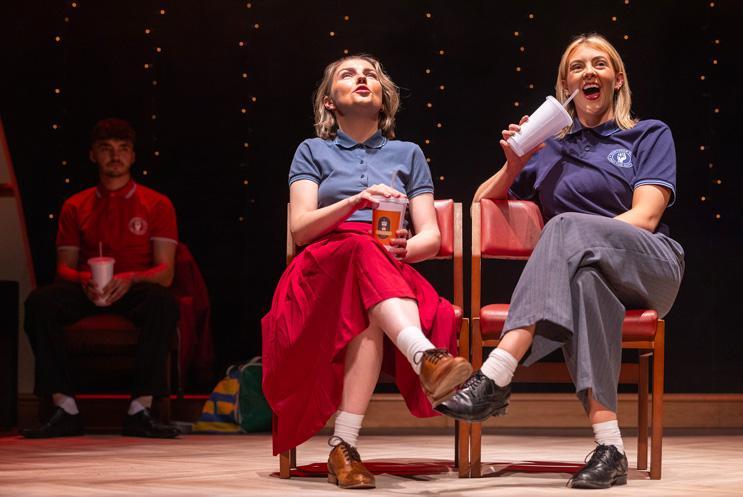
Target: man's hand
89	288
117	287
399	245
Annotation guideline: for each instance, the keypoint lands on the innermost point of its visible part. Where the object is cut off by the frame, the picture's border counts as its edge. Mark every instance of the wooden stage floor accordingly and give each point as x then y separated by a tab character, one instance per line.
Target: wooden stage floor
241	465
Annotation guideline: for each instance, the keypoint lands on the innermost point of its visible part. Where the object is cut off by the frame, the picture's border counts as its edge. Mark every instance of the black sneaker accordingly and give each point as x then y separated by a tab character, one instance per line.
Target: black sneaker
477	400
607	467
61	424
144	425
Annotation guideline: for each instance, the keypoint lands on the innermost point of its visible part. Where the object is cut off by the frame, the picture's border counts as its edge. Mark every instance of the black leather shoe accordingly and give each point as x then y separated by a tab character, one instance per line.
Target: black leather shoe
144	425
607	467
477	400
61	424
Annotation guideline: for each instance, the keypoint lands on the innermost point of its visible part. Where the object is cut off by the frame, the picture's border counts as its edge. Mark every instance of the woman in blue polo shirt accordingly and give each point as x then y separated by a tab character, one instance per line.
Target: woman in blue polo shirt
324	335
602	185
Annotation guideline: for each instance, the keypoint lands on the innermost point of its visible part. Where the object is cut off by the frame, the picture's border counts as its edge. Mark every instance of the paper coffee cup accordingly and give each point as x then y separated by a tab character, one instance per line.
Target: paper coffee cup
546	121
387	218
101	272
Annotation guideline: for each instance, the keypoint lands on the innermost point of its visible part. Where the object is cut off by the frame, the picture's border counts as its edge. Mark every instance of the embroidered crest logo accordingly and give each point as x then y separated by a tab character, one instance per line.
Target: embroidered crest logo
138	226
620	157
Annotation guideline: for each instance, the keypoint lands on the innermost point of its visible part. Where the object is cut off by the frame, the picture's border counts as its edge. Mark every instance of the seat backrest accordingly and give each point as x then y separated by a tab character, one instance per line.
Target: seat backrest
509	229
501	229
449	219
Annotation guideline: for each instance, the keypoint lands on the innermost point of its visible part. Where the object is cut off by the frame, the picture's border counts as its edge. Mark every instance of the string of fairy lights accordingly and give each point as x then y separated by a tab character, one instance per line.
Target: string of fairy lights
433	91
247	101
152	67
707	80
59	94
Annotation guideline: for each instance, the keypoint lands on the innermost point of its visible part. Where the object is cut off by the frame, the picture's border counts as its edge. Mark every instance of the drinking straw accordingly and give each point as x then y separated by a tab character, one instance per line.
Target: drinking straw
565	104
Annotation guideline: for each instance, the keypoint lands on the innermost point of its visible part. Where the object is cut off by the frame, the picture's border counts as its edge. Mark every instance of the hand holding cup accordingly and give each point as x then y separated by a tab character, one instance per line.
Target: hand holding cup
101	271
370	197
398	247
515	162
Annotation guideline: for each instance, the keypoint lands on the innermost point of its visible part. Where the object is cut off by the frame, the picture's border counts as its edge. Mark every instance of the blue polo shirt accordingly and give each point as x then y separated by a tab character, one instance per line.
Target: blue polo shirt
596	170
342	168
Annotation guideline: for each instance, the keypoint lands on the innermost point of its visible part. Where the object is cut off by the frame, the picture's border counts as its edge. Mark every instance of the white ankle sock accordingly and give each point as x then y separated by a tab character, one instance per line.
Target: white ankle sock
607	433
65	402
347	426
499	367
136	406
411	341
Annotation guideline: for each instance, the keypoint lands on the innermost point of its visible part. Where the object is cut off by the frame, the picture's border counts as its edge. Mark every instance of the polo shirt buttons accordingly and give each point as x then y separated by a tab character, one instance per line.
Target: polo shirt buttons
362	176
587	148
361	161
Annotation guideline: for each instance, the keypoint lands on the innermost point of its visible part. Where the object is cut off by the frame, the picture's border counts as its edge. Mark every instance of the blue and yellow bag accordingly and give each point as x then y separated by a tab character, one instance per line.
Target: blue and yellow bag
237	404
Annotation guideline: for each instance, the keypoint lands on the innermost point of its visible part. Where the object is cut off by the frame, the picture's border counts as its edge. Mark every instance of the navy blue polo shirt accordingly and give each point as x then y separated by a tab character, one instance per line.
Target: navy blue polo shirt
342	168
596	170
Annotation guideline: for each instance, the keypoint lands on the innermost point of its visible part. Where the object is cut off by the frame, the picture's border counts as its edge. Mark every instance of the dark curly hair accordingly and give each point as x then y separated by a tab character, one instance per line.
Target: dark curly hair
112	129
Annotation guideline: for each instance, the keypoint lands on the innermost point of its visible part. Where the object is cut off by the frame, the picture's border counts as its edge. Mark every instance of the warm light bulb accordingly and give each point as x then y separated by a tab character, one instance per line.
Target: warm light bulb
332	33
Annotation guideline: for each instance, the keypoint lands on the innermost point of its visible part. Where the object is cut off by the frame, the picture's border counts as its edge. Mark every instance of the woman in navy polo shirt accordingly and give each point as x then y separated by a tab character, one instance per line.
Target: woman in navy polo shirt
602	185
323	338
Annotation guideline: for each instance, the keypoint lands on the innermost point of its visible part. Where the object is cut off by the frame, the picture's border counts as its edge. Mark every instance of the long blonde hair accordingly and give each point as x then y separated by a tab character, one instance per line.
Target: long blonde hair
622	103
326	124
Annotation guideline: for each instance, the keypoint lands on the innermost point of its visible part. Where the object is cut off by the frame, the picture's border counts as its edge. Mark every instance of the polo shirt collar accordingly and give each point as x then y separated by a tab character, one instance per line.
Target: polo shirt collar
608	128
125	191
344	141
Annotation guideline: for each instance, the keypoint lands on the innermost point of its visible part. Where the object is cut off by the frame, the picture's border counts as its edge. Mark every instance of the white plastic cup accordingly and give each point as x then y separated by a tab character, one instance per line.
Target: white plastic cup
545	122
101	272
387	218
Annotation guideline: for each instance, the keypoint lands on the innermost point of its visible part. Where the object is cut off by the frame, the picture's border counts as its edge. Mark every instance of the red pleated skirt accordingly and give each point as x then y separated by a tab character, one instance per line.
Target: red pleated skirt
320	305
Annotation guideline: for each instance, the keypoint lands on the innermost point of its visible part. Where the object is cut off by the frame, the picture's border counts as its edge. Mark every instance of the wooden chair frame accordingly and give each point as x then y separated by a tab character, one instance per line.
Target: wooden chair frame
288	459
557	373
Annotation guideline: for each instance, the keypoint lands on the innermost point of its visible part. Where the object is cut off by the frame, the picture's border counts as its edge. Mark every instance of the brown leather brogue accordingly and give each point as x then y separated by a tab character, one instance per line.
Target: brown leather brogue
441	374
345	468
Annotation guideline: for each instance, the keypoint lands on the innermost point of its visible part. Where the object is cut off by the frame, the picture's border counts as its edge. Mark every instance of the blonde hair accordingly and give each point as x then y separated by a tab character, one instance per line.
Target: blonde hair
622	98
326	124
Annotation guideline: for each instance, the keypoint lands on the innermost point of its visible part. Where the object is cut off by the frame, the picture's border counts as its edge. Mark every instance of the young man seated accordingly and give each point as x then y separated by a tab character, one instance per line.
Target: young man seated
136	226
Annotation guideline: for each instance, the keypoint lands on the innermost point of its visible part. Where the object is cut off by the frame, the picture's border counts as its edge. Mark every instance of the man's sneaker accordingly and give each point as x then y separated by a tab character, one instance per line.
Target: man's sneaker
61	424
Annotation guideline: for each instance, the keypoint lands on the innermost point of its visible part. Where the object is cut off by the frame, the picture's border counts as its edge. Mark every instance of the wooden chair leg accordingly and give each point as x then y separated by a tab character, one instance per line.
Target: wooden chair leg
475	450
642	410
462	429
285	464
463	448
293	458
656	452
476	428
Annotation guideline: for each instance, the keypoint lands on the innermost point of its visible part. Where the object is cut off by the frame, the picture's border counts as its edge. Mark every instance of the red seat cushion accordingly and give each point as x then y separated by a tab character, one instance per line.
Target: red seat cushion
637	325
102	322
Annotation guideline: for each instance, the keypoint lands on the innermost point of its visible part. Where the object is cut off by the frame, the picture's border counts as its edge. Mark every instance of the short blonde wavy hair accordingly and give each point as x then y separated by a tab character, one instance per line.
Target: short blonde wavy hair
326	124
622	98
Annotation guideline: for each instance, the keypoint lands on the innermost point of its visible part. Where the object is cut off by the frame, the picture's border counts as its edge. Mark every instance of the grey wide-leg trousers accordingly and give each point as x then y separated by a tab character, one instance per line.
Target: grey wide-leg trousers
584	272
